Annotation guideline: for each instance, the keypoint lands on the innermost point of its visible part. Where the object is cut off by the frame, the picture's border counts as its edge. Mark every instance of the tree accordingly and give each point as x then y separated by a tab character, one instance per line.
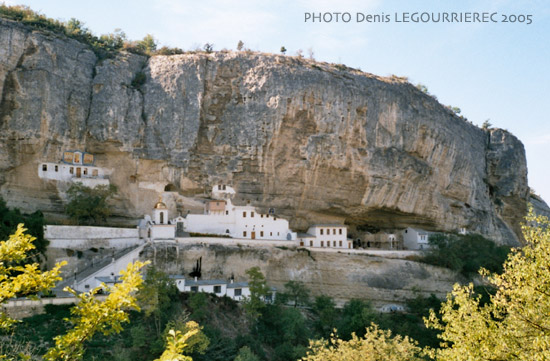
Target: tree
283	50
240	45
296	292
16	280
147	45
486	125
89	204
208	47
325	308
514	325
34	223
376	345
246	354
177	342
259	290
155	297
90	315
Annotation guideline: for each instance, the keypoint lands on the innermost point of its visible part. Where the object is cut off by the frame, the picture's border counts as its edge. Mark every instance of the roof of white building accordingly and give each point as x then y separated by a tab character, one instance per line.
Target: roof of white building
328	225
108	279
205	282
237	285
305	235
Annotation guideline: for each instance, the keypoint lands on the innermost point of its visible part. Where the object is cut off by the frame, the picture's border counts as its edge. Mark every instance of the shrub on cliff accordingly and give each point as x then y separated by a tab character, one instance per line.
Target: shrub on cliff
89	205
465	254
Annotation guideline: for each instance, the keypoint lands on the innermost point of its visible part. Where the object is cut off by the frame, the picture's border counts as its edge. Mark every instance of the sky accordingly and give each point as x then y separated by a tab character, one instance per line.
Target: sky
497	71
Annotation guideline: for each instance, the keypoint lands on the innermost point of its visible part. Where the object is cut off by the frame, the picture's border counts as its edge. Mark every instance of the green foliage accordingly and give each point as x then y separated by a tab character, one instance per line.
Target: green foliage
155	297
258	291
283	50
240	45
89	205
9	219
465	254
325	309
20	280
294	292
514	325
486	125
198	302
246	354
147	45
356	316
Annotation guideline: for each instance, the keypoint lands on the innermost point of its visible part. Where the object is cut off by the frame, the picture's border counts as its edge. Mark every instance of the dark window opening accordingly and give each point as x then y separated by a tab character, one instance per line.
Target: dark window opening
44	167
238	291
217	289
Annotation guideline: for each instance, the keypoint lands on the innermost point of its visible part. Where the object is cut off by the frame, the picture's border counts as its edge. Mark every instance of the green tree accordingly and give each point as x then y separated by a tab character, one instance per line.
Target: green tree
296	292
155	297
514	325
147	45
356	316
325	308
240	45
87	205
259	290
283	50
246	354
376	345
208	47
16	280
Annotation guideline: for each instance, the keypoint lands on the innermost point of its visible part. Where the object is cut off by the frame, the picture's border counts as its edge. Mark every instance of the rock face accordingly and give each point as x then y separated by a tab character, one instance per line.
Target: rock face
315	141
340	276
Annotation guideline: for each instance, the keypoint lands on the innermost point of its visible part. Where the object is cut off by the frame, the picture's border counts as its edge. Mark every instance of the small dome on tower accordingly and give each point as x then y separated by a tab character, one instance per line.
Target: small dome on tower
160	204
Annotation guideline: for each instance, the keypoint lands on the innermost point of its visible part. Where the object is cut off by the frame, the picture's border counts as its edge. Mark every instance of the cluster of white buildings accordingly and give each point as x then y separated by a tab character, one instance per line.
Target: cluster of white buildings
222	218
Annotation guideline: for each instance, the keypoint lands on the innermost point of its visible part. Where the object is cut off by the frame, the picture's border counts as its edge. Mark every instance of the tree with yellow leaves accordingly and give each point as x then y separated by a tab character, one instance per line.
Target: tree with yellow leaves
90	315
515	324
16	280
376	345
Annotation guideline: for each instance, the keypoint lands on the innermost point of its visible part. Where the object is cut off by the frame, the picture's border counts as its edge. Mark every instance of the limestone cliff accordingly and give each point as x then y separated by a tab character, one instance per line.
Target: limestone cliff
315	141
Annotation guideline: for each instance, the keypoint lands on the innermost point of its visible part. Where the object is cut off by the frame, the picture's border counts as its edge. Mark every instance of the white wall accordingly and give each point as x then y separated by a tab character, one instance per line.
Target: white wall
63	173
114	267
328	238
164	231
245	293
84	237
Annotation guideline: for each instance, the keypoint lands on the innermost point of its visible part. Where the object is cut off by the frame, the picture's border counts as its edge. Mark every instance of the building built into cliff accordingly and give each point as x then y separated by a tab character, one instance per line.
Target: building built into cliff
75	166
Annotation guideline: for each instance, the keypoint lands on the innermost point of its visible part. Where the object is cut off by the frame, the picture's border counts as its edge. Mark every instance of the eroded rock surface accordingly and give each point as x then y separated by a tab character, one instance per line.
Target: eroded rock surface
315	141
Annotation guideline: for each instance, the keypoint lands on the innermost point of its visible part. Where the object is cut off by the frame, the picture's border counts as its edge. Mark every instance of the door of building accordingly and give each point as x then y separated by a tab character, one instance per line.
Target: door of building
78	170
253	235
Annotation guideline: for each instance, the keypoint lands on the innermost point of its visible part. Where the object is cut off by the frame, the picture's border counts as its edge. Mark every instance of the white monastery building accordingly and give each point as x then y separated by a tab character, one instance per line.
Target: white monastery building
76	166
416	238
326	236
222	218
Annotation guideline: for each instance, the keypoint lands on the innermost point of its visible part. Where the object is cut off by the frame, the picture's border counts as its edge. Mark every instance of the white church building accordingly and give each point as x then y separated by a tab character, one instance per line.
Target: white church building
222	217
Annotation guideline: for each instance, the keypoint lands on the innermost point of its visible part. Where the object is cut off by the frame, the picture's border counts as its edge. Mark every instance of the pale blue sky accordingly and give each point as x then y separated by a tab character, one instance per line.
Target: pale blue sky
491	71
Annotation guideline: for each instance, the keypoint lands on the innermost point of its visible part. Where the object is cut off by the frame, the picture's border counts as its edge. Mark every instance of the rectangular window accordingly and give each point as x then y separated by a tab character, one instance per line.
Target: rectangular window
311	243
333	243
244	233
251	214
322	243
194	289
226	213
57	168
321	231
85	171
340	231
340	244
71	170
271	233
261	216
238	291
334	231
217	289
261	233
244	214
44	167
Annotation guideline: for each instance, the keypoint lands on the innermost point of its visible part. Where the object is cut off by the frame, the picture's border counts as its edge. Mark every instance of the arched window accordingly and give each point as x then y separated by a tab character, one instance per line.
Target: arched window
161	217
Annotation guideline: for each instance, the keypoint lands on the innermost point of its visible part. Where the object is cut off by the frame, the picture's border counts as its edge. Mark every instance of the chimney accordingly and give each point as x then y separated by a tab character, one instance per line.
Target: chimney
196	278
